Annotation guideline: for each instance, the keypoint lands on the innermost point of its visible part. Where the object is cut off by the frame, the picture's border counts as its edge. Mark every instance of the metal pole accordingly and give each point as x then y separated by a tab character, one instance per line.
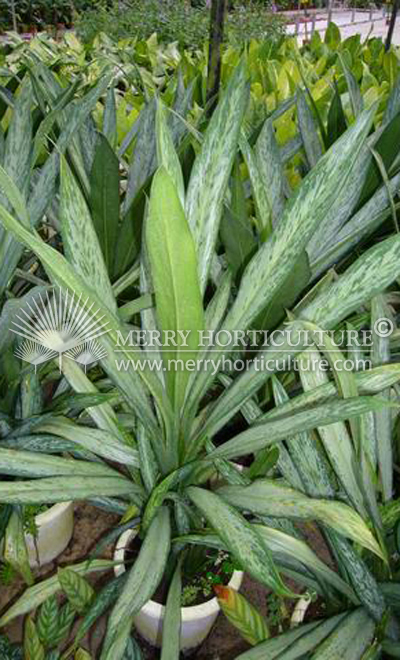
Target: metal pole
214	51
14	16
393	15
329	11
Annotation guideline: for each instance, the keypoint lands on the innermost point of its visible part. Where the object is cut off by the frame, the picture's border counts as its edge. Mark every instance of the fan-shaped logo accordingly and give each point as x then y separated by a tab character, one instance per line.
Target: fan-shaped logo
57	325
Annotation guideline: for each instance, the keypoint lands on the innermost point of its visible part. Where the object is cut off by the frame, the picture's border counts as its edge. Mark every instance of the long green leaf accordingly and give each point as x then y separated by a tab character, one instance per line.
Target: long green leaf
335	437
269	160
81	243
102	443
172	619
267	433
271	498
174	275
358	575
63	489
240	538
304	638
15	551
142	581
308	130
33	464
104	199
282	544
211	171
166	154
383	418
349	640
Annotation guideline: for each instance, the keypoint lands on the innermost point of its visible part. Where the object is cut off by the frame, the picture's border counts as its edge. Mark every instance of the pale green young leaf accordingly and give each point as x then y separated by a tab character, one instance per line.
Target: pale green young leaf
166	154
81	654
174	276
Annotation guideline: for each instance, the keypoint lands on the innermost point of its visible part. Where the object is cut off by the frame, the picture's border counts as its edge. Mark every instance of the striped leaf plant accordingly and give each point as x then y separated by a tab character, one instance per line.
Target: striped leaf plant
151	451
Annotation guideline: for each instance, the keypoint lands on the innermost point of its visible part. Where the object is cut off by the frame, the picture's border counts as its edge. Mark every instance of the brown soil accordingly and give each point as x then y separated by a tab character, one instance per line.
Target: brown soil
91	524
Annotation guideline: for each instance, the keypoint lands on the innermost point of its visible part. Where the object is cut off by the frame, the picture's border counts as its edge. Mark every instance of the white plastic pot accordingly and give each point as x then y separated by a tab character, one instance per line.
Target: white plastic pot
299	611
197	620
55	527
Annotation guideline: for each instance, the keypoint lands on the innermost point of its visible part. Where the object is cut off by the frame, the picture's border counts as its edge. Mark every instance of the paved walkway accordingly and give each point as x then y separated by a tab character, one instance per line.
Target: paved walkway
362	25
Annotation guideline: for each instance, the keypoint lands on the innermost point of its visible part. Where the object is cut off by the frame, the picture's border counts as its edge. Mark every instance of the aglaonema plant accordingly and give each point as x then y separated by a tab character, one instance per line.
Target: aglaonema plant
361	457
161	471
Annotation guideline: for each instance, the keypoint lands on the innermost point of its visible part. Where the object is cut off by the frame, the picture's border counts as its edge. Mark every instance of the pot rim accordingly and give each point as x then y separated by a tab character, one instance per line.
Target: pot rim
53	512
156	610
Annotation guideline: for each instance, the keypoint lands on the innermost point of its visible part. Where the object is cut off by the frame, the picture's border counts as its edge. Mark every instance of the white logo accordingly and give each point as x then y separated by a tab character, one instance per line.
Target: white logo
60	324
